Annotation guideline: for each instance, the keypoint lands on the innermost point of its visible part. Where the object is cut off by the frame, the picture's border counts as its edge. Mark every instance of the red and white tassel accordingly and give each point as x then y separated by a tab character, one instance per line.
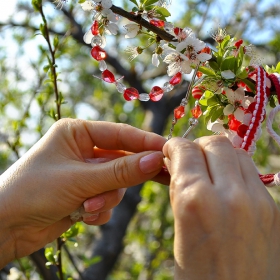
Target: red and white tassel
248	143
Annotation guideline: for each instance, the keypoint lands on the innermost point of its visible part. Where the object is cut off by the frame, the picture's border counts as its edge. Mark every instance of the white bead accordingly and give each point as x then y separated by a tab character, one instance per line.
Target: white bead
120	87
144	97
102	65
99	41
167	87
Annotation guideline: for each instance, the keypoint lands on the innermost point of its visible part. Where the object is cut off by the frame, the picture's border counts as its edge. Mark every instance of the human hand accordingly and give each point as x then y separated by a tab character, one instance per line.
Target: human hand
53	179
227	225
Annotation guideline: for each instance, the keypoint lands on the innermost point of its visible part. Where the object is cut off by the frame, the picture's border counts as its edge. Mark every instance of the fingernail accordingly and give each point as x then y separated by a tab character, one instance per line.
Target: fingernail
151	162
94	203
91	218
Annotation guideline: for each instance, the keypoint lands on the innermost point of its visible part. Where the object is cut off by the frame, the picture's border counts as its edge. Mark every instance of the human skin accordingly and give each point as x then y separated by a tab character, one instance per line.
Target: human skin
227	225
59	174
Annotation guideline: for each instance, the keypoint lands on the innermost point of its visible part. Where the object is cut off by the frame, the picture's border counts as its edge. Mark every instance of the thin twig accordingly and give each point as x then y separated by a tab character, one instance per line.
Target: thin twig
53	63
59	244
138	19
72	260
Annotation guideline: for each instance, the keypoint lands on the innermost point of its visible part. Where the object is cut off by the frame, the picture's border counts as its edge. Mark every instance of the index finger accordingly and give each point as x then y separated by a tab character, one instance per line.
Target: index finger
187	162
112	136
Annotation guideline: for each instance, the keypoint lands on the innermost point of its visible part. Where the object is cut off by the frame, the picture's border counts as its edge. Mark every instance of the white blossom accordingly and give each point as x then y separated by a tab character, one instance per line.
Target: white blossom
155	60
111	28
237	103
132	30
191	48
88	6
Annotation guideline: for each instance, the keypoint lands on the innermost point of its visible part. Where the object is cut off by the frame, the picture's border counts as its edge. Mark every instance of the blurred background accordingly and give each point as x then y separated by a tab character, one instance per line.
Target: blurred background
137	242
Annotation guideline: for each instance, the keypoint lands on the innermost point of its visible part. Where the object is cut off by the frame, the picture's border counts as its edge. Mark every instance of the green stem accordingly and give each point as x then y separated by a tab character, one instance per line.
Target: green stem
53	64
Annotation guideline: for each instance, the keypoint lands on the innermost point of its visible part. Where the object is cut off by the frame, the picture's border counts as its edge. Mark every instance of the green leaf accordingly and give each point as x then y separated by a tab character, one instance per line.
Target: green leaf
55	41
210	112
149	2
225	42
228	63
218	112
250	84
134	2
50	255
241	73
81	1
240	57
213	101
206	71
278	67
162	11
43	30
71	232
46	68
203	102
214	65
272	101
208	94
37	5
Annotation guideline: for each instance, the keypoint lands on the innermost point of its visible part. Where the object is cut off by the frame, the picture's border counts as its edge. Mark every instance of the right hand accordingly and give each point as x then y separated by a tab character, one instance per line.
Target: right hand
227	226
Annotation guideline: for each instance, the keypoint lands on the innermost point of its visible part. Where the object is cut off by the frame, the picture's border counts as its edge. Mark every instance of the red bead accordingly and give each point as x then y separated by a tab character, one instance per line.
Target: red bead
94	28
176	79
131	94
98	53
199	74
233	123
197	92
108	76
177	30
241	130
179	112
156	93
157	22
196	112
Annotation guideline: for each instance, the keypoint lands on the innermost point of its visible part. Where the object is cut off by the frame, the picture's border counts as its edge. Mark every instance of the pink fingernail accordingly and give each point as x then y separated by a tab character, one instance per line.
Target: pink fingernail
151	162
94	203
91	218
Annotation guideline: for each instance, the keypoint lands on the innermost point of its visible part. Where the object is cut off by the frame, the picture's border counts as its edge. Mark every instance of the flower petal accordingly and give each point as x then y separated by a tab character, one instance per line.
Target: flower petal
228	74
155	60
239	114
131	30
106	4
112	28
87	6
228	110
88	37
202	57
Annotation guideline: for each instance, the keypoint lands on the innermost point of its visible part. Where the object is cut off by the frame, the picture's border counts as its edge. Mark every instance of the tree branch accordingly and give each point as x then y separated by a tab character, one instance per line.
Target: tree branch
162	34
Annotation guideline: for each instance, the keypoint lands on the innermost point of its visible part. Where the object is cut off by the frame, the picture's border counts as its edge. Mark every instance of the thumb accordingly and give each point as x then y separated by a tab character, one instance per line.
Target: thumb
122	172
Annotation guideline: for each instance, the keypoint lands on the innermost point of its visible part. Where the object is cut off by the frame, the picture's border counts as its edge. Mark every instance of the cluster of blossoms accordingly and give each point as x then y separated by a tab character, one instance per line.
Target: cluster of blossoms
231	87
181	56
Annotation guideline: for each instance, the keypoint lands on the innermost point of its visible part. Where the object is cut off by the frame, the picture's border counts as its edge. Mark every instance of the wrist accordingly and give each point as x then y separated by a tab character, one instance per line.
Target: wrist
7	244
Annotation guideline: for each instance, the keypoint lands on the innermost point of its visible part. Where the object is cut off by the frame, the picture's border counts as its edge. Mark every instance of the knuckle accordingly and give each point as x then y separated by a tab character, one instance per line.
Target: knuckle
214	140
64	124
121	172
191	200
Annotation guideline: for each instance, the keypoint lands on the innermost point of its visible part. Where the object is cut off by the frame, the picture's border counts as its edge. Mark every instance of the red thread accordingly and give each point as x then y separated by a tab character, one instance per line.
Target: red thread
267	179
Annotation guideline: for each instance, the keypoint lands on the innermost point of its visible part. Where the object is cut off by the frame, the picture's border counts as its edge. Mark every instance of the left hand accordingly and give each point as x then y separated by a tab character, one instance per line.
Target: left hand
53	179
